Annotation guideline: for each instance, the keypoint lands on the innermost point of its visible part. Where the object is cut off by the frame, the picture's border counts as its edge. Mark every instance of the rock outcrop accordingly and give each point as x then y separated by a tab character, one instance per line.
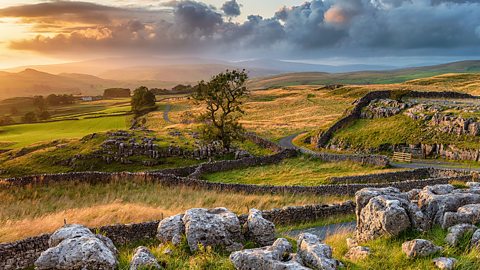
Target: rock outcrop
358	253
76	247
258	229
212	227
144	259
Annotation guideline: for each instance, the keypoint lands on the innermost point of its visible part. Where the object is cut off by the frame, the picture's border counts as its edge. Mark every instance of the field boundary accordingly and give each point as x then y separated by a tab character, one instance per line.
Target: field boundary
23	253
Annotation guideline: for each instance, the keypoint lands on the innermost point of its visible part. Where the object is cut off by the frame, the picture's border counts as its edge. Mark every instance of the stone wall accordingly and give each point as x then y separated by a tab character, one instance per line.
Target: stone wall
416	174
22	254
262	142
375	160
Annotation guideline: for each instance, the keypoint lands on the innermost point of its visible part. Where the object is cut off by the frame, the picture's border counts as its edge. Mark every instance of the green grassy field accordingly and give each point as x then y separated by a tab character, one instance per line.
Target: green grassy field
295	171
17	136
365	134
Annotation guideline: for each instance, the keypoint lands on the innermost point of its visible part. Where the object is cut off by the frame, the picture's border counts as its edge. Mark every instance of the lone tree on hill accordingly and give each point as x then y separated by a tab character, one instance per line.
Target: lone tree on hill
142	100
223	96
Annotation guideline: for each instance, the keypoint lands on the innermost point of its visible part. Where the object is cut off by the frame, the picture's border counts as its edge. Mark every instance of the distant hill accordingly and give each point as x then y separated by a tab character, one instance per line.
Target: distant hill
32	82
365	77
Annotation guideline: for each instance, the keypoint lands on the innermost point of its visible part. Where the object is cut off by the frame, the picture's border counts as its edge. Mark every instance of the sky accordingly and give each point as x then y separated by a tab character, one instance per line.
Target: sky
390	32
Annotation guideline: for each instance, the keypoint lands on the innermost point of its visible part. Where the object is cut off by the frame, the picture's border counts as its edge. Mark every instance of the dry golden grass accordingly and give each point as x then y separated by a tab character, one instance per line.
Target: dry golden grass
30	211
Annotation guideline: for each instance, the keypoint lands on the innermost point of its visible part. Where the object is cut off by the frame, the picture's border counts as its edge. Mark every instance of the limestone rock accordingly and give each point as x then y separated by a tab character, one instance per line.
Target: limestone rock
212	227
85	252
171	229
382	216
445	263
109	243
475	242
260	230
275	257
469	213
142	259
473	184
358	253
455	233
314	254
419	248
435	201
67	232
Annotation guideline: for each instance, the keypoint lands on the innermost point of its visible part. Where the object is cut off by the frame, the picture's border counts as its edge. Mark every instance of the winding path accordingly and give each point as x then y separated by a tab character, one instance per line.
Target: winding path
168	107
287	142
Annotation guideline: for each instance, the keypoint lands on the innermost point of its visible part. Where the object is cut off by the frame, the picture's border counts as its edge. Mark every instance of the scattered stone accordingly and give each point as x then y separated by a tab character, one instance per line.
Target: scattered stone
258	229
419	248
351	243
171	229
473	184
275	257
455	233
358	253
314	254
212	227
444	263
143	259
85	252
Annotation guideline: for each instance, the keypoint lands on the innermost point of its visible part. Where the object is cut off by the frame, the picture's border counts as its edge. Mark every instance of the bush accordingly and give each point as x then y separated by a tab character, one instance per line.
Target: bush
143	100
6	120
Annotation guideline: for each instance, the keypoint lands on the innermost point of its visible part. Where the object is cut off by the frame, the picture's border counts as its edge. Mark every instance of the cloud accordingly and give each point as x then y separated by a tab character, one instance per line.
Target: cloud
317	27
231	8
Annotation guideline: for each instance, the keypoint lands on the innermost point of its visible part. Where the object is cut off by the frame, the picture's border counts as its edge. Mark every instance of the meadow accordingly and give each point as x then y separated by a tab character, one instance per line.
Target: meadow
302	170
39	209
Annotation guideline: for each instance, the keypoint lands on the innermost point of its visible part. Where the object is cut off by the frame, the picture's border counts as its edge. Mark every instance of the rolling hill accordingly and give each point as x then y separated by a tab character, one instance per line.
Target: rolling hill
365	77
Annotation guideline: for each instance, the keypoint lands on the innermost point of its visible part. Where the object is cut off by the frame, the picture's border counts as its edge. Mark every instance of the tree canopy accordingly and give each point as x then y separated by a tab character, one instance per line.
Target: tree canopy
143	99
223	97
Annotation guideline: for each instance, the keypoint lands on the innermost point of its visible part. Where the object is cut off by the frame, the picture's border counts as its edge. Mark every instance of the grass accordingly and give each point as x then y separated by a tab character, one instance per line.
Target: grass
367	134
17	136
303	171
387	252
39	209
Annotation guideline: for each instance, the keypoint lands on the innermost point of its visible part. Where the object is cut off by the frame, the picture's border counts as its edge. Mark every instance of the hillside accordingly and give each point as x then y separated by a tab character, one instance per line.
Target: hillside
32	82
365	77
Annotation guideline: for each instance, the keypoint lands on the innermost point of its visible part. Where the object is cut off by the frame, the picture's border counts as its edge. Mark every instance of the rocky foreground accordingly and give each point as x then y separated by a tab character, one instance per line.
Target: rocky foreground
383	212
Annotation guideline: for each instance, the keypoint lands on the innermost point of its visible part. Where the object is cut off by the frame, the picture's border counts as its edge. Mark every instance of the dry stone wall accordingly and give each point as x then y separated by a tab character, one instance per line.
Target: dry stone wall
22	254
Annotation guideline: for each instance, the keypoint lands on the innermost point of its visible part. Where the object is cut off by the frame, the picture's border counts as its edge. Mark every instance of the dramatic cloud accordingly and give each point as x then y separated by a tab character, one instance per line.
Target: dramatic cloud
231	8
317	27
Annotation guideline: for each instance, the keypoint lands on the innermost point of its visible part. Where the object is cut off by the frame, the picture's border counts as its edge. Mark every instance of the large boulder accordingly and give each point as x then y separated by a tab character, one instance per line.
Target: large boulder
171	229
212	227
475	241
386	211
275	257
419	248
79	253
455	233
469	213
67	232
258	229
314	254
143	259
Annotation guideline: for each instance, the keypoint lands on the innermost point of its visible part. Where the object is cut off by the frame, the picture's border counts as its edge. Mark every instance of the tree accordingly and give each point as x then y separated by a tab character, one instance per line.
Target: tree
40	103
44	115
6	120
223	97
29	117
143	100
